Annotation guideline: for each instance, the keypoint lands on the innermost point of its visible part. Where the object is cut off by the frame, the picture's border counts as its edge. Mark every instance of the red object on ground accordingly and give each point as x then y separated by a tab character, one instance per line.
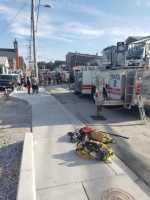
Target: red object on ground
87	129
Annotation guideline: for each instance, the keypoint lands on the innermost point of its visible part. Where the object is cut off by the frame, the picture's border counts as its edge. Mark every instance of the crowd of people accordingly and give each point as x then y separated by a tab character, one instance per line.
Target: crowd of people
27	83
32	82
51	79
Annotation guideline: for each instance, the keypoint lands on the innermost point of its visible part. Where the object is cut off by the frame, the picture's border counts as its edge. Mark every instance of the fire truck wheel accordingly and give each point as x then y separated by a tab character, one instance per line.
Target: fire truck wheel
105	94
75	92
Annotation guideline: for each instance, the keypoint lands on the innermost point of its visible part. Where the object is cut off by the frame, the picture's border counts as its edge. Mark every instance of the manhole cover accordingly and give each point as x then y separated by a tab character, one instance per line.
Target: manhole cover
116	194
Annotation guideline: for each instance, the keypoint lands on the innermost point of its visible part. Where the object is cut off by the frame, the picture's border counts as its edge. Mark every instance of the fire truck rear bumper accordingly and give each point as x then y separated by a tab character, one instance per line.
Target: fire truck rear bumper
113	102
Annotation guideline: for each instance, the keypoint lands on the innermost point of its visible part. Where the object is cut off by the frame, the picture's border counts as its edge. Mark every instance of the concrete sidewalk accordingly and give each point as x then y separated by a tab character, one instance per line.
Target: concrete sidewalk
59	172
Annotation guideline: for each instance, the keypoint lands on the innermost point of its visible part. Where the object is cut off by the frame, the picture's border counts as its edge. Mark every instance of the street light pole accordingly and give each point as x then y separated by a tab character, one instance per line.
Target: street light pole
34	34
34	39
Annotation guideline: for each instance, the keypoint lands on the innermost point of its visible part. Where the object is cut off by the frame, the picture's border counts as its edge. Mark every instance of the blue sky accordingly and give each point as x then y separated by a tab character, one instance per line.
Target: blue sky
85	26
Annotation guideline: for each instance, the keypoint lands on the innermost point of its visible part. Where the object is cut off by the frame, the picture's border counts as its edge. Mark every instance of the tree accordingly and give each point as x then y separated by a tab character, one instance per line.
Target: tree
41	65
110	54
109	49
50	65
56	63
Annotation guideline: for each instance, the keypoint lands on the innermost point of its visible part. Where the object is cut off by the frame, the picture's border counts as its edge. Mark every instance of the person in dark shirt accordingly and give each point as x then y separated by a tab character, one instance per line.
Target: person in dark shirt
25	82
28	85
22	82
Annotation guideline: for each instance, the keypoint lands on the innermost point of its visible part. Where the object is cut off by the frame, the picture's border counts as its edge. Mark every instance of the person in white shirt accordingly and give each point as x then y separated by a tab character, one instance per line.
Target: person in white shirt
34	85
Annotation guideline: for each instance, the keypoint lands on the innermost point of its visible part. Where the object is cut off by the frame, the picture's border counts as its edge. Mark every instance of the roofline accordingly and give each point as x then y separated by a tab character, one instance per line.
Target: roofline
3	49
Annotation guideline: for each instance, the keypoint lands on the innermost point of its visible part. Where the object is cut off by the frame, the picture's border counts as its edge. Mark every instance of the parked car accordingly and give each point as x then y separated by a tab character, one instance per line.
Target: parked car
15	75
8	81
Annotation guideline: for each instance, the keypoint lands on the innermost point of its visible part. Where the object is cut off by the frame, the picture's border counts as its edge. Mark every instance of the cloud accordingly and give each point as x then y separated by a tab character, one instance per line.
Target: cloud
8	12
72	6
62	31
70	36
118	34
143	2
51	32
18	25
54	27
19	29
148	3
83	31
96	12
138	2
72	31
19	36
127	31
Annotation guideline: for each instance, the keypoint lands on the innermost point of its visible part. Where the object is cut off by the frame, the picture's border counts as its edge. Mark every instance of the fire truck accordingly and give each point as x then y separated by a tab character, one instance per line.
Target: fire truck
85	80
65	76
127	85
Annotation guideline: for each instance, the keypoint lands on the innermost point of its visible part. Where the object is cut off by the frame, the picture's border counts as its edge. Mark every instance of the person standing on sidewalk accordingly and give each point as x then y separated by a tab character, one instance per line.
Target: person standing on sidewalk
25	82
33	83
19	84
28	85
22	82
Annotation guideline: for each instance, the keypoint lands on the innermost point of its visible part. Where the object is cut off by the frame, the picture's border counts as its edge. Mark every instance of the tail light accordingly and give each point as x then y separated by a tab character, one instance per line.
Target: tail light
138	86
138	89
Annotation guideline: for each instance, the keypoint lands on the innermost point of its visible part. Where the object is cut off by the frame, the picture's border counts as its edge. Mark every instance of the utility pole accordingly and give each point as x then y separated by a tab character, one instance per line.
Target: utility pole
29	55
34	39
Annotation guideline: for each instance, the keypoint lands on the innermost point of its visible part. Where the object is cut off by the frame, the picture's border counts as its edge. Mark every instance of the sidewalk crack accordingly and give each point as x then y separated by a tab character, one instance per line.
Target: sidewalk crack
85	191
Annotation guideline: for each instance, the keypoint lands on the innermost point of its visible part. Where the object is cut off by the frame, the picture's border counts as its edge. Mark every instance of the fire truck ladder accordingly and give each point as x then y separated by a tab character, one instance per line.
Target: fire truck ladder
130	92
129	88
141	109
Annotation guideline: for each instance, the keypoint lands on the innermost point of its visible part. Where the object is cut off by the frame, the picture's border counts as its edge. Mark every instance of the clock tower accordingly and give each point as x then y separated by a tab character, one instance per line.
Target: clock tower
16	52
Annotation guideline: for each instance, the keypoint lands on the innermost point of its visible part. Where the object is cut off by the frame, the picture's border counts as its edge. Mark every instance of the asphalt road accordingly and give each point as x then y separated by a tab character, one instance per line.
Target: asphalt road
134	152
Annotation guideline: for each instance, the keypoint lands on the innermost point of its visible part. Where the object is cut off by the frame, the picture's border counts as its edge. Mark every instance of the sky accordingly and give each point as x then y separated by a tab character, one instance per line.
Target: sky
83	26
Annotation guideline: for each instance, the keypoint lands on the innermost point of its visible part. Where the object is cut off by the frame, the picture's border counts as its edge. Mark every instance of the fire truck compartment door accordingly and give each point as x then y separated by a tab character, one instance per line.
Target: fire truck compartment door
86	84
114	89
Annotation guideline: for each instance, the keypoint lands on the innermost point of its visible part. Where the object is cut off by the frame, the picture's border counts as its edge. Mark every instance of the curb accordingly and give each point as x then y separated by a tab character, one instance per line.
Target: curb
26	186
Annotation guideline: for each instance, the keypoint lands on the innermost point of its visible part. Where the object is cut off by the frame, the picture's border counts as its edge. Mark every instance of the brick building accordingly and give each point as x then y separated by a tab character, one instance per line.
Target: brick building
68	59
78	59
13	57
21	63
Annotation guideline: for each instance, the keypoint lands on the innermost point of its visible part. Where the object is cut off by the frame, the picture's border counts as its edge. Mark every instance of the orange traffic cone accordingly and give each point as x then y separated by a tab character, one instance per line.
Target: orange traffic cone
5	92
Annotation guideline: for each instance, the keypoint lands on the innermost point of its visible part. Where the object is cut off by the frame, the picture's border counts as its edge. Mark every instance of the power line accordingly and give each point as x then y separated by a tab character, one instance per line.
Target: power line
43	57
14	17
